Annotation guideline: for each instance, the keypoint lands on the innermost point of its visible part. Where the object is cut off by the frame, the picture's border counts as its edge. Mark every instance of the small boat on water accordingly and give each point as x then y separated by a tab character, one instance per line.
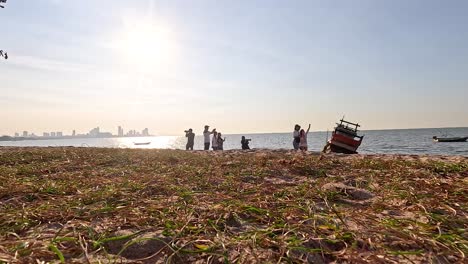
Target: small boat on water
141	143
344	139
451	139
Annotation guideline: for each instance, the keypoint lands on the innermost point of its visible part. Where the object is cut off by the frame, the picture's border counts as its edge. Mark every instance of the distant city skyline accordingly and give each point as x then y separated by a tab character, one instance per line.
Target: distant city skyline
132	132
95	132
246	66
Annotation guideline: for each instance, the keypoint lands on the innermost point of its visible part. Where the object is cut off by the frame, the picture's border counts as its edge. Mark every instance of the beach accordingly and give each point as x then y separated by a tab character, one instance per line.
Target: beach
90	205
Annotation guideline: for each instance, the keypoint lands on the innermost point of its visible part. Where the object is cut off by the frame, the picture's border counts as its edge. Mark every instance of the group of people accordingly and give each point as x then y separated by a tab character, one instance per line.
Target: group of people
217	141
300	138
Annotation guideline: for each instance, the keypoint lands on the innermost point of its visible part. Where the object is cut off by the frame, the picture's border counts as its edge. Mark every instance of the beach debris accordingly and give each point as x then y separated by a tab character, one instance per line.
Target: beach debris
353	193
134	245
197	207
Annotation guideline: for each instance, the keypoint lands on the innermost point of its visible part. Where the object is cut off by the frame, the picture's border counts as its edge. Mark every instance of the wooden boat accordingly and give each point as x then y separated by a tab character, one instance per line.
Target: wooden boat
452	139
344	139
141	143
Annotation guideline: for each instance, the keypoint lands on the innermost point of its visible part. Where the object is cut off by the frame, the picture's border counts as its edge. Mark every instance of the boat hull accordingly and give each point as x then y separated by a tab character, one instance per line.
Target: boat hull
455	139
338	148
342	144
141	144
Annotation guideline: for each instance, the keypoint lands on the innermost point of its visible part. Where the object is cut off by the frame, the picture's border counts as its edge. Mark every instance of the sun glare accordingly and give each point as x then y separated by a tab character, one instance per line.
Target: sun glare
147	45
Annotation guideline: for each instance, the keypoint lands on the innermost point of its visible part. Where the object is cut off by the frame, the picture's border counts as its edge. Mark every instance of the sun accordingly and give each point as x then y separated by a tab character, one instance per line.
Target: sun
147	45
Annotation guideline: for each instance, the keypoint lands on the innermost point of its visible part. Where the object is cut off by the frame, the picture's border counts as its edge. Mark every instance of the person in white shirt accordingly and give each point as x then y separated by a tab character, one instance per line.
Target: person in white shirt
296	137
214	141
303	139
206	136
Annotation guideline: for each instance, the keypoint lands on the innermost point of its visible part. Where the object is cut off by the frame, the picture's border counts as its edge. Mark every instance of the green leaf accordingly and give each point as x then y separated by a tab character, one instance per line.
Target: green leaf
57	251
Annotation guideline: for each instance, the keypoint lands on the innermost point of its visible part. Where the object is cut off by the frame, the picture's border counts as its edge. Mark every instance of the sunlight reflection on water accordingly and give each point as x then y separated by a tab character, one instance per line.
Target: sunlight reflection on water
161	142
127	142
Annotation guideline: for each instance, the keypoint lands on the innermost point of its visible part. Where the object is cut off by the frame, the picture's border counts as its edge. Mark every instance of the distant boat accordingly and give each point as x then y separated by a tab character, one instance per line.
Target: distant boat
141	143
452	139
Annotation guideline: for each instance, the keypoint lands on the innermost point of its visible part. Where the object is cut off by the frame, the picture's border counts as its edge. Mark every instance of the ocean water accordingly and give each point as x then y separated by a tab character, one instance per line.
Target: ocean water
402	141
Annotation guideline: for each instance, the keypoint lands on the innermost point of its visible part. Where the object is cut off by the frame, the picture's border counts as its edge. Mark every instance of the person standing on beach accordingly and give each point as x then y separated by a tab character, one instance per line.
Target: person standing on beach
303	139
245	143
214	141
296	137
220	141
190	139
206	137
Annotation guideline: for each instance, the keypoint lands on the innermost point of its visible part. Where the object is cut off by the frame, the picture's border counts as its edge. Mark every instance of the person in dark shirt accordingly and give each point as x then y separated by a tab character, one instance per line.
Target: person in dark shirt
220	141
190	139
296	137
245	143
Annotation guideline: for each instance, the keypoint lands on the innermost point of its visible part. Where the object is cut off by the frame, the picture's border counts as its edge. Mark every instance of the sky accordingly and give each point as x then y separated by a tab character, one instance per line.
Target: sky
245	66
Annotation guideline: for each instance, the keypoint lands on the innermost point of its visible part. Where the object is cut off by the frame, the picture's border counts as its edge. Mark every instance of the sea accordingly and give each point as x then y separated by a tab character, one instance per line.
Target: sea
400	141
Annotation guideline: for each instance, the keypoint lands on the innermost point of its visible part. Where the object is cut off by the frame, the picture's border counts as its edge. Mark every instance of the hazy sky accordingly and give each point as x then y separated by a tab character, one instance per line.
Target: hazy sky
240	66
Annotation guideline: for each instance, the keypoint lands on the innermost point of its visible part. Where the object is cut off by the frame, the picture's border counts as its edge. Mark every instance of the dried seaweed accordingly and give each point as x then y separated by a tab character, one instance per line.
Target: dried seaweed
90	205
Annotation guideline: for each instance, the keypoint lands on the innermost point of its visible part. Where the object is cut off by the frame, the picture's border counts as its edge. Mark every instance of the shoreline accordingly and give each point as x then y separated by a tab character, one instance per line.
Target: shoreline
253	150
154	205
41	138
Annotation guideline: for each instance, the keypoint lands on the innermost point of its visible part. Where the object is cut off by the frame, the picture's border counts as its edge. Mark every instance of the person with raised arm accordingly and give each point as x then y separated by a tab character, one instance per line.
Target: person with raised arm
206	137
214	141
245	143
303	139
220	141
190	139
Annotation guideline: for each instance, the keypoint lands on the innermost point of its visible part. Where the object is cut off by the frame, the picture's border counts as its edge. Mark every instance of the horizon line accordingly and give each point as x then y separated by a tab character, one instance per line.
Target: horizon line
283	132
384	129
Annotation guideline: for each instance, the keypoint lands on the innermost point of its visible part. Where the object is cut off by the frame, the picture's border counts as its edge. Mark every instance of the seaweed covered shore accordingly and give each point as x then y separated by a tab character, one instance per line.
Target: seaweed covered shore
91	205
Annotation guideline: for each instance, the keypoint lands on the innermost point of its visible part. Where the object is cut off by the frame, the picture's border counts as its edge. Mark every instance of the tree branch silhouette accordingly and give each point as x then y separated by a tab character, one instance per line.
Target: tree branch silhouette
2	53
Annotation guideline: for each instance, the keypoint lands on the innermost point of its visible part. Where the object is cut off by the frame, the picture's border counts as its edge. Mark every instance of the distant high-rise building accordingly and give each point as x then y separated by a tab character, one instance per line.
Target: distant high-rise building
120	132
132	133
74	133
45	134
94	132
16	134
52	134
145	132
59	134
25	133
